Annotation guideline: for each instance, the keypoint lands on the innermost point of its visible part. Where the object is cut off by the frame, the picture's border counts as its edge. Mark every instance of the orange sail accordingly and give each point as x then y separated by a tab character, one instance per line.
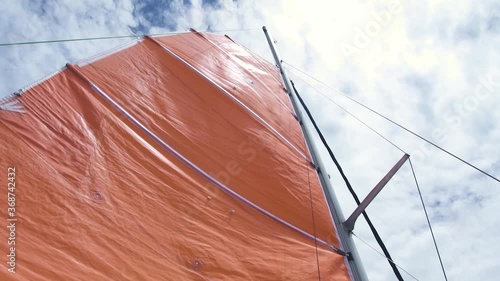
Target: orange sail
176	158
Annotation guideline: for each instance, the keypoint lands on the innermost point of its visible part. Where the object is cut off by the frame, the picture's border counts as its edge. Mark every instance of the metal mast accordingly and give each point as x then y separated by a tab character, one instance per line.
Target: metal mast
345	237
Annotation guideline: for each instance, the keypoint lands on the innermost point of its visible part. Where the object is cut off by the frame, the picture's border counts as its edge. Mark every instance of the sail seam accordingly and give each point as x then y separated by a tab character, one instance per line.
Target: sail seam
244	106
191	165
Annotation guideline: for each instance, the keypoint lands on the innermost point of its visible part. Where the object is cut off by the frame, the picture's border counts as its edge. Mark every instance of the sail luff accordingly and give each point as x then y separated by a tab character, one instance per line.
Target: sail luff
101	189
354	261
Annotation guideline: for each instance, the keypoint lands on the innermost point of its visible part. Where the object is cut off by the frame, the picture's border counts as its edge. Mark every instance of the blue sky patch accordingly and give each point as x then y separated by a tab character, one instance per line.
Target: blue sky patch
159	13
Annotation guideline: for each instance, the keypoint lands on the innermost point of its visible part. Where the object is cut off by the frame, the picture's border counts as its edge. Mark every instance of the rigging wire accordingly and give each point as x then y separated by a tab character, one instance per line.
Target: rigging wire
399	125
351	190
353	116
112	37
387	256
428	221
373	248
355	197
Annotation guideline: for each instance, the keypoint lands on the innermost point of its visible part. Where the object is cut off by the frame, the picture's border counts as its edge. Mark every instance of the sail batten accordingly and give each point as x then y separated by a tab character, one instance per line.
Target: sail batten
194	167
186	185
243	105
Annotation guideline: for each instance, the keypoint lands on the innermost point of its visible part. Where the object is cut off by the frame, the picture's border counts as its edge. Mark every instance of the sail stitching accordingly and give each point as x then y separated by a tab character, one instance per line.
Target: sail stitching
190	164
244	106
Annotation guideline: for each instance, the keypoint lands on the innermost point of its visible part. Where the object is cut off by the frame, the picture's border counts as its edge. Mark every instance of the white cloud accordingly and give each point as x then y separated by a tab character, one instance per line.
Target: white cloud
34	21
422	67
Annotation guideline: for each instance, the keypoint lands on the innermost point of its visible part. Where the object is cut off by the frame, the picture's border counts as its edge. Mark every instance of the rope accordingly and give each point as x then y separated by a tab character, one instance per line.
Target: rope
351	190
373	248
313	220
401	126
428	221
111	37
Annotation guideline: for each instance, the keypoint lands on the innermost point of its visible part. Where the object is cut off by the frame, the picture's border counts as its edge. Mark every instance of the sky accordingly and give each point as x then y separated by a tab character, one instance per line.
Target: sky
433	66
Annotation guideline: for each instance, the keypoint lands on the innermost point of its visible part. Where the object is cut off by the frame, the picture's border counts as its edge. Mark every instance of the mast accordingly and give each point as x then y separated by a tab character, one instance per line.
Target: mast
354	262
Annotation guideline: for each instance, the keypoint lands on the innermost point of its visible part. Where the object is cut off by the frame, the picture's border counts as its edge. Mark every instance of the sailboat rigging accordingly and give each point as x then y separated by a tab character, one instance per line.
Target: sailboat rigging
179	157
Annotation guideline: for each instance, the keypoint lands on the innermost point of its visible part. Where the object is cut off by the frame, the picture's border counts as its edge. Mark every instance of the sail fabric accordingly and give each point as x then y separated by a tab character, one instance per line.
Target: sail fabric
178	158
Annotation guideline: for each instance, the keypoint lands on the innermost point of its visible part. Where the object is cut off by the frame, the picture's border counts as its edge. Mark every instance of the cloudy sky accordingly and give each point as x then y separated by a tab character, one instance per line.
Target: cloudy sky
434	66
